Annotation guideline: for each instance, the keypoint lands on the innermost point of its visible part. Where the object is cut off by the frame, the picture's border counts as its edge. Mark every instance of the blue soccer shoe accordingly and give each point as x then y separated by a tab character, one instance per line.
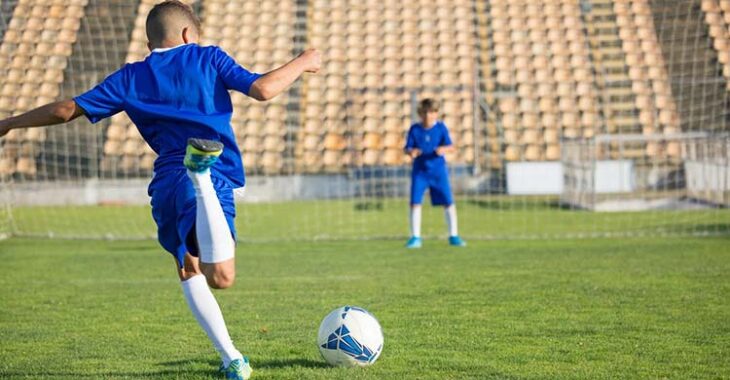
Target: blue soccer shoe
238	369
414	242
456	241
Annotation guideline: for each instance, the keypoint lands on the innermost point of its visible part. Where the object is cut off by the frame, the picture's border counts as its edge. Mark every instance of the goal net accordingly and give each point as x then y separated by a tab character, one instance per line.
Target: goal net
667	175
569	117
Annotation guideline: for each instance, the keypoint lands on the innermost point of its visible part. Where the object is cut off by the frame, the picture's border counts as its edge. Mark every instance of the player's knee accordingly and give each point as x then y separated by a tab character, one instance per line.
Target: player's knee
221	279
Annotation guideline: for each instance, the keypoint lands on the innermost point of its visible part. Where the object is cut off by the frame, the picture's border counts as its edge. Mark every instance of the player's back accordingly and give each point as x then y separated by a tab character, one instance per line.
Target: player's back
175	94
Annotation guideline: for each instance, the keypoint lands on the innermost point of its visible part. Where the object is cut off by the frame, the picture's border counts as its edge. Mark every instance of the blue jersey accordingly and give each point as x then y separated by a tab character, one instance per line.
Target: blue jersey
427	140
175	94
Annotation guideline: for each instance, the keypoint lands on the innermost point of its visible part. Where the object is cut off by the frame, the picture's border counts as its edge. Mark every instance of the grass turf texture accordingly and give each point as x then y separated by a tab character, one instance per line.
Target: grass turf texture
483	217
561	309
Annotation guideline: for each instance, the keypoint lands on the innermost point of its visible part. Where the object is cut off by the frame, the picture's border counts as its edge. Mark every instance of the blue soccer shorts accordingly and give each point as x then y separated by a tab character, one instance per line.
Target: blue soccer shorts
174	207
438	185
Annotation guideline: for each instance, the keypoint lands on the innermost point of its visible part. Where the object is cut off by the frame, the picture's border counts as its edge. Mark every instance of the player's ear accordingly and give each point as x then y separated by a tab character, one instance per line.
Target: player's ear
186	35
190	35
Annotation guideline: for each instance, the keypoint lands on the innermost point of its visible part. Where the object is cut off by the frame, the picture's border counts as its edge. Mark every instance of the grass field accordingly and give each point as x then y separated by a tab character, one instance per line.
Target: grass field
538	309
485	217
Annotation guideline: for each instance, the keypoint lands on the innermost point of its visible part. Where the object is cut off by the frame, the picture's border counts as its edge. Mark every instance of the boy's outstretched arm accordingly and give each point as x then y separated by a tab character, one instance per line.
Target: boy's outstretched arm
59	112
276	81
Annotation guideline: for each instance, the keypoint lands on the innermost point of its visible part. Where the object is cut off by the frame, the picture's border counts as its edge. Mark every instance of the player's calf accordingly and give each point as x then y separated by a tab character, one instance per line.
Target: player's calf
212	232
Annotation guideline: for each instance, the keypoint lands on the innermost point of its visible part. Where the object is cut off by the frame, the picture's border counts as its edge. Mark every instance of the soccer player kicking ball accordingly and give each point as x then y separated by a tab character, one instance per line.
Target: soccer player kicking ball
178	99
427	143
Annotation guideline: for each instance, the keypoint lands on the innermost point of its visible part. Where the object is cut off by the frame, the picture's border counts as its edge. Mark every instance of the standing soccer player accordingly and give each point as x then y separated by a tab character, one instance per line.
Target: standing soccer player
427	143
178	99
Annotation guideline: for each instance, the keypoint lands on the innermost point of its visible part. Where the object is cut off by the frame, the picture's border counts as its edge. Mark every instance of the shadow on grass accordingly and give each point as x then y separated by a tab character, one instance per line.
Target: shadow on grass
185	362
286	363
702	229
133	248
163	374
518	204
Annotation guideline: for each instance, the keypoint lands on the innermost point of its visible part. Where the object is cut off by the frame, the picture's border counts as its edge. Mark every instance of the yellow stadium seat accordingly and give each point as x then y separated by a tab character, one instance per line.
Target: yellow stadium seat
372	140
311	142
371	157
26	166
552	152
512	153
332	158
7	166
132	147
112	148
393	157
273	143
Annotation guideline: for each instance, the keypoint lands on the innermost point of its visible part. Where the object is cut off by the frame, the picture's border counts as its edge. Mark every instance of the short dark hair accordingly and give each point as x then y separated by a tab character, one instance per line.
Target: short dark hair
158	20
428	105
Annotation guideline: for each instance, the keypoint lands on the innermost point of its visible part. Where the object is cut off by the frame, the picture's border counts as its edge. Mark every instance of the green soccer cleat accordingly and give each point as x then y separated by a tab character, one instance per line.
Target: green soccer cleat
201	154
238	369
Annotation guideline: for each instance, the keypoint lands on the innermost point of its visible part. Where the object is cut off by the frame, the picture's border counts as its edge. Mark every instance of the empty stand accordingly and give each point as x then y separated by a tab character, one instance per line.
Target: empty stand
541	69
375	53
547	71
35	48
260	36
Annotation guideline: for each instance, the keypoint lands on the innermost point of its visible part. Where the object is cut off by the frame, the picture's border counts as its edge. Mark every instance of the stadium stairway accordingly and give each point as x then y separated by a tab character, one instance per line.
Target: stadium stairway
6	11
609	62
692	65
100	49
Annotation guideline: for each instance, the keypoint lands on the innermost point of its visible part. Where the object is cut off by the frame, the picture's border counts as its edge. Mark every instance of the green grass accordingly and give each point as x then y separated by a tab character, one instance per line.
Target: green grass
483	217
537	309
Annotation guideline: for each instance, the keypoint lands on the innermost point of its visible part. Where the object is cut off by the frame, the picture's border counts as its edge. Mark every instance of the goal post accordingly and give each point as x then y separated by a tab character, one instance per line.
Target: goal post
669	176
6	219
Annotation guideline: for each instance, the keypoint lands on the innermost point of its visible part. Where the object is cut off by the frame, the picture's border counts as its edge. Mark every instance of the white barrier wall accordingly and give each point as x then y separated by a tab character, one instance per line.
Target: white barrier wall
546	178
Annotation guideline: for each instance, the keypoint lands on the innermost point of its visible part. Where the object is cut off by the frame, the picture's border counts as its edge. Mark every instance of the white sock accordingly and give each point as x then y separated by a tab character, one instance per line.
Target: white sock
214	237
450	214
208	314
415	221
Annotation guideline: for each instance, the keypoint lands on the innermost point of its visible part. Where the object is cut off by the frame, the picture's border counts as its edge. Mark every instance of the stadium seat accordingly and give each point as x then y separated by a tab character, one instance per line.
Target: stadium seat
393	157
371	157
26	166
112	148
332	159
147	162
7	166
512	153
334	142
36	135
552	152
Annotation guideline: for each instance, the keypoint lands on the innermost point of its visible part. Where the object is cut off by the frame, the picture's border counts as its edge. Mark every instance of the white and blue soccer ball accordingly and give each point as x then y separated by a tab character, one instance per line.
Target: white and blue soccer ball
350	336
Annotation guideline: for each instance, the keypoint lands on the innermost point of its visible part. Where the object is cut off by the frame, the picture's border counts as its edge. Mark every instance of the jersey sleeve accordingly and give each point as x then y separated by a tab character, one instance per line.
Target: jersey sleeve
234	75
105	99
445	138
410	140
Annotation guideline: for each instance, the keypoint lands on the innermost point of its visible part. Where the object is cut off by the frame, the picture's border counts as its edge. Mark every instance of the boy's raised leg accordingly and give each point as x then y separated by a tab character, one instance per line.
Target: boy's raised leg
215	242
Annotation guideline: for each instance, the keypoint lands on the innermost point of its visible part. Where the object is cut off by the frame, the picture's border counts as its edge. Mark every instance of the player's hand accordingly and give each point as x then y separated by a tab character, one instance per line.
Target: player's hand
415	152
312	59
443	150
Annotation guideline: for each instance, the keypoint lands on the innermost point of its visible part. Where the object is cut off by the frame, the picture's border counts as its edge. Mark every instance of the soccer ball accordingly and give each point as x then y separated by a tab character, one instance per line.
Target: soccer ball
350	336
